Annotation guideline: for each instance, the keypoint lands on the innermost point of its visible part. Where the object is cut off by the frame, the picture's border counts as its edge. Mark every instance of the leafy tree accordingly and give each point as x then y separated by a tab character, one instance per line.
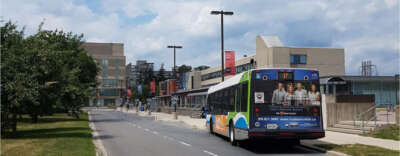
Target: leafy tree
41	72
200	68
18	84
161	73
184	69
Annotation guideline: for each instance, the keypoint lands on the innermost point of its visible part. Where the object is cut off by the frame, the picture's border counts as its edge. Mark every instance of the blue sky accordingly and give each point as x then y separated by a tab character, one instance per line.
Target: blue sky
365	29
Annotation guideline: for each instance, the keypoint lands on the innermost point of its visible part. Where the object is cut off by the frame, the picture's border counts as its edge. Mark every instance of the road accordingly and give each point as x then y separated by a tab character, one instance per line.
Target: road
125	134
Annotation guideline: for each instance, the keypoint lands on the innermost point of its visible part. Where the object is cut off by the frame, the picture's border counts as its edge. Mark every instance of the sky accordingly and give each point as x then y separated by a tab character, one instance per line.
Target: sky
366	29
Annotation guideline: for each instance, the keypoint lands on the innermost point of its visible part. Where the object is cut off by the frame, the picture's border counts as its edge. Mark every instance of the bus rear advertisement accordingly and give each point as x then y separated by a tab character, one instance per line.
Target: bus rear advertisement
267	104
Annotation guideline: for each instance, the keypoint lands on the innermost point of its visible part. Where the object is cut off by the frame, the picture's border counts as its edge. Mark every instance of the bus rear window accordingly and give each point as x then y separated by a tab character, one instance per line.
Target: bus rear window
271	96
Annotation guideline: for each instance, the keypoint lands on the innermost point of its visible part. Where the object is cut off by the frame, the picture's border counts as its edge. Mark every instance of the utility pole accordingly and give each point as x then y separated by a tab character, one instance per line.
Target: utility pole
222	13
175	47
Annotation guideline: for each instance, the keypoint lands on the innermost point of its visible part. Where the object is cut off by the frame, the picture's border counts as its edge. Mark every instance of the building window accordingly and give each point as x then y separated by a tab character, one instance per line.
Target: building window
105	63
116	72
105	72
109	92
116	63
298	59
110	83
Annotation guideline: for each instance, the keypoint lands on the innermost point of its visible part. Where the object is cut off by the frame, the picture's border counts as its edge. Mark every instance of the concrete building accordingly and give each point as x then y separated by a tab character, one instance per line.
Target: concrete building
271	53
111	78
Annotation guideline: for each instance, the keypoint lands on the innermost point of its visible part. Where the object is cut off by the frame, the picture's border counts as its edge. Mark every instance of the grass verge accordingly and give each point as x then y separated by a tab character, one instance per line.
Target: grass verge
388	132
359	150
52	135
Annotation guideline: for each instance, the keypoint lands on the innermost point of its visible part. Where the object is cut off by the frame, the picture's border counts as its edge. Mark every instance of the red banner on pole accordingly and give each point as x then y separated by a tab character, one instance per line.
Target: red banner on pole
230	68
129	92
153	86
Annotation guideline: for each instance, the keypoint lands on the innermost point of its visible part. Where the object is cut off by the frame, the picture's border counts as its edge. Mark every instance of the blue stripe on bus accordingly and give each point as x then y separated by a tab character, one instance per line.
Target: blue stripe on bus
241	123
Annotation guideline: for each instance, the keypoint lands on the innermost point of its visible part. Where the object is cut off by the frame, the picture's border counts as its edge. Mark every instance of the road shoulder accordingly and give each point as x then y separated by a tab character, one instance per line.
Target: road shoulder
100	149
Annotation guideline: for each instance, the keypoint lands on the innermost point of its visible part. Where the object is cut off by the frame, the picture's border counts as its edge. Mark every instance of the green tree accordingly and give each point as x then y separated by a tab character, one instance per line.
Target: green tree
41	72
161	73
65	61
184	69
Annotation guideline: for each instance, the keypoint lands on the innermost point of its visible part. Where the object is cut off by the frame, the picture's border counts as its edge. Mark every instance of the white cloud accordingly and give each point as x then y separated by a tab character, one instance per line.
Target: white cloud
358	26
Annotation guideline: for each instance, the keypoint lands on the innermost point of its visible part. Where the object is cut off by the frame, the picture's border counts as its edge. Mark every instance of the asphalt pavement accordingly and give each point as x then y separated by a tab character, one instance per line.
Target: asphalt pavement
125	134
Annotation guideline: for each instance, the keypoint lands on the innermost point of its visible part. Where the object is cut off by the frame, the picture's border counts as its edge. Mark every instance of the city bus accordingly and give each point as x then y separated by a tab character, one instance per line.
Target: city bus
268	104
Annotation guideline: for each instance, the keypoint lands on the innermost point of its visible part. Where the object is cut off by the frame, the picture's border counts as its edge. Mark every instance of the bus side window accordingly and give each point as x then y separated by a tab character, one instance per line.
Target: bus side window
243	106
237	98
231	99
210	103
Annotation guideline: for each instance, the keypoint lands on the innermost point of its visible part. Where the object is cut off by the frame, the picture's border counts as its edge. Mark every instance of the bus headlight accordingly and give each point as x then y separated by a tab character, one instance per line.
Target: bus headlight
257	124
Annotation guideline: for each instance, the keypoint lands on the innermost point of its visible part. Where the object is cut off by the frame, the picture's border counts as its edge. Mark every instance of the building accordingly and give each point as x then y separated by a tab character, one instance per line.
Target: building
111	78
139	73
271	53
384	88
131	75
144	71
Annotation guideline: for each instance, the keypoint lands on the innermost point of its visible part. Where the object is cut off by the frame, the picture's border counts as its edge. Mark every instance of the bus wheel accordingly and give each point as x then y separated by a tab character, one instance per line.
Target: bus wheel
232	135
211	127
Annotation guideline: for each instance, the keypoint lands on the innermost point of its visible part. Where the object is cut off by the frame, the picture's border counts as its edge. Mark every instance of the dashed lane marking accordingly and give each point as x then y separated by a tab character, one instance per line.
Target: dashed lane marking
210	153
184	143
154	132
146	129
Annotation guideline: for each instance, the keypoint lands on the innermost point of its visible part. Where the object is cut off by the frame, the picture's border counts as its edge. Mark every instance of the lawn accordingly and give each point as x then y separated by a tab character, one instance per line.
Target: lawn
52	135
360	150
389	132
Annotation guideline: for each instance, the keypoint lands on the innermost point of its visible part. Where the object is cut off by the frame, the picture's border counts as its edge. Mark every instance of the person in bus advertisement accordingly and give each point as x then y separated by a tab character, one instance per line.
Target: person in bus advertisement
290	96
278	95
314	96
301	95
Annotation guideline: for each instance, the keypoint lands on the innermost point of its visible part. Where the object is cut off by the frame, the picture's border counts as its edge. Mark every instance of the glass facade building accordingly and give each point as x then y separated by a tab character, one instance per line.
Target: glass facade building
384	88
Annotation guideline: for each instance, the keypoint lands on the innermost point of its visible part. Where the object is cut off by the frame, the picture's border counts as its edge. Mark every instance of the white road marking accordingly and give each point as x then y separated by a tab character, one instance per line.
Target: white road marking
210	153
146	129
184	143
139	127
154	132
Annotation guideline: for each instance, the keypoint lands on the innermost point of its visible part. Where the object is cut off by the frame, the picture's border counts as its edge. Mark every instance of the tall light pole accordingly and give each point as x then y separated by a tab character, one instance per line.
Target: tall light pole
175	47
222	13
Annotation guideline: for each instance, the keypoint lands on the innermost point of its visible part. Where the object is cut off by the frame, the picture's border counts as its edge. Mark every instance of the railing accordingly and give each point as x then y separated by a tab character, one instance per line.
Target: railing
361	117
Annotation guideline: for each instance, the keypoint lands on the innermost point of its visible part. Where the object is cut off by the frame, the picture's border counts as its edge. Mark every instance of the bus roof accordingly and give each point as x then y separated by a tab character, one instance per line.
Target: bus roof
229	82
236	79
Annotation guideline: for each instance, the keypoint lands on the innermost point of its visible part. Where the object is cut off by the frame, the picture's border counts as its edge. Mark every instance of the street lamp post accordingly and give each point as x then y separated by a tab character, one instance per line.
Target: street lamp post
222	13
175	47
174	74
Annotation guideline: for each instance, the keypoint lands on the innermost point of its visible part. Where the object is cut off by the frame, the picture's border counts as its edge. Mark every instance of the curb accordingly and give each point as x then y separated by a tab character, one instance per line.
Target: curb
319	149
335	153
100	149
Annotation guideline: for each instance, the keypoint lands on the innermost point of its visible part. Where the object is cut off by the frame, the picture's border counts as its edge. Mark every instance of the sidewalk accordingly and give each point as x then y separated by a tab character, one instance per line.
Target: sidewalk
330	137
343	138
192	122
